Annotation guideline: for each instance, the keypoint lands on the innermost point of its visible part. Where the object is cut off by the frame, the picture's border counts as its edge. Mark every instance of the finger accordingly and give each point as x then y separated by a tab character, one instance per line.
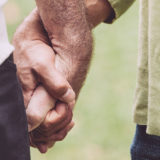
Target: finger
32	144
53	81
55	117
62	125
53	127
59	136
43	148
62	134
57	86
40	104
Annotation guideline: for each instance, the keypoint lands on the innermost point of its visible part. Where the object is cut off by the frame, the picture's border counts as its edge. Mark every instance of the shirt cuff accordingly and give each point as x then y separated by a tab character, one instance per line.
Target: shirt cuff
119	7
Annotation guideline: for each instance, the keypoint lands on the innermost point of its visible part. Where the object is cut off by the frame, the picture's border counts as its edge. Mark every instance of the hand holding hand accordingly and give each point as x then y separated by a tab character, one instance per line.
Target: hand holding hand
35	62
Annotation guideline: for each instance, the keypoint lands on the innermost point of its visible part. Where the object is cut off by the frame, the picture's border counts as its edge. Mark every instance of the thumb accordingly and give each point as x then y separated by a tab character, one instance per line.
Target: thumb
55	83
50	77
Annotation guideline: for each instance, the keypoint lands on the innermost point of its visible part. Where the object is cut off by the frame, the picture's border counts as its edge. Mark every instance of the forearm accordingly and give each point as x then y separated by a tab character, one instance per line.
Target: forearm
79	54
63	19
70	35
97	11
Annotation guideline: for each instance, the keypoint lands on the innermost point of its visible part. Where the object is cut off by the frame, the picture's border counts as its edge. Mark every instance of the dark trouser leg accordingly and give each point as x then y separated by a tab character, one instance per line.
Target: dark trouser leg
145	147
14	144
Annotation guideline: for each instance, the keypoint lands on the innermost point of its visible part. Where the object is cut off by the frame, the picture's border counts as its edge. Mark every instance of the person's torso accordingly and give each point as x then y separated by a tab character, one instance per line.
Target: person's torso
5	47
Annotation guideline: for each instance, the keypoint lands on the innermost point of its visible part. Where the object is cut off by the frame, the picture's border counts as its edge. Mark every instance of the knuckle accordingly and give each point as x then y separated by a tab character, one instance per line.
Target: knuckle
39	65
61	89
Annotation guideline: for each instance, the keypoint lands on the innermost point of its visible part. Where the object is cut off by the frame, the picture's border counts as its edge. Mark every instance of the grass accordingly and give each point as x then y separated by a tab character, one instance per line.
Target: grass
103	114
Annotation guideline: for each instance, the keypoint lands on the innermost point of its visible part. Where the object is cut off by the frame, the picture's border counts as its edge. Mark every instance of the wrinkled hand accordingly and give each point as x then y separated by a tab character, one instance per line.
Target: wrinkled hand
35	65
73	53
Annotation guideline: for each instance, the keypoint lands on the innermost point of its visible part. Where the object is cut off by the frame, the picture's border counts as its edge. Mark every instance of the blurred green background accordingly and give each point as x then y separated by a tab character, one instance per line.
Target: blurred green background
103	114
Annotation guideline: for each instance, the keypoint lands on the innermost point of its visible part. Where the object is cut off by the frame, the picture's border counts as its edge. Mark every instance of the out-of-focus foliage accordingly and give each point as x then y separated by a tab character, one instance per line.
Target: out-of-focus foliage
103	114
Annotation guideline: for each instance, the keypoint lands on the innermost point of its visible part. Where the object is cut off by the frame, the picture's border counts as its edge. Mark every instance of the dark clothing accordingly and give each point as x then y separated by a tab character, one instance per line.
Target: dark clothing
14	141
145	147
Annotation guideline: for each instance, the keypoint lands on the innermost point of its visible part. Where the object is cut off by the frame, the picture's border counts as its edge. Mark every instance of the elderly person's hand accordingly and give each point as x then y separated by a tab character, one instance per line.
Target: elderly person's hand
35	61
31	39
32	47
68	25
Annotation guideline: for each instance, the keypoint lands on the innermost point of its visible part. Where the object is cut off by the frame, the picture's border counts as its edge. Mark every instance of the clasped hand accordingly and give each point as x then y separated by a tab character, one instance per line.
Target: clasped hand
52	53
48	97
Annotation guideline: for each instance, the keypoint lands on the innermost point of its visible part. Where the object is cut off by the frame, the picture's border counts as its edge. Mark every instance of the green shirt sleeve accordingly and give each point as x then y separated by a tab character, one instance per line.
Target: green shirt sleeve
119	6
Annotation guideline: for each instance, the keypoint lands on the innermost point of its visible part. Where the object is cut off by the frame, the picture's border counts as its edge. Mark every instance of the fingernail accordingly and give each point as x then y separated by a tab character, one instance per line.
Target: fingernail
42	148
69	96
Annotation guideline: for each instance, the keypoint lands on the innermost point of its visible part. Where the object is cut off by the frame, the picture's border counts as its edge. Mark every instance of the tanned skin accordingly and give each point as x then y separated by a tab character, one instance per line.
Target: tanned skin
71	42
98	11
68	30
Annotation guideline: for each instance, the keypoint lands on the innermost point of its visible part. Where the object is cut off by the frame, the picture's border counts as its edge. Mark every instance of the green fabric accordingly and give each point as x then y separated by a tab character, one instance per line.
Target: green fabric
147	97
153	121
141	96
120	6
